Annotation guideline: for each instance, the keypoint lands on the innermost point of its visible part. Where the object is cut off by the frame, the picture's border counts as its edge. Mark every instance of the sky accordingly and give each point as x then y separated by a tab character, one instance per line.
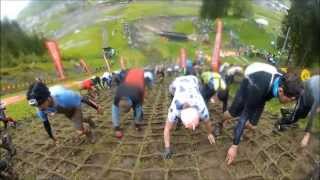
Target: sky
11	8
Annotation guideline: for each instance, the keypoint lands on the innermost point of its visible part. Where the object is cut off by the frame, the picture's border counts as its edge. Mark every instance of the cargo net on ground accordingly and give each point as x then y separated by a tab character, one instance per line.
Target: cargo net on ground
263	154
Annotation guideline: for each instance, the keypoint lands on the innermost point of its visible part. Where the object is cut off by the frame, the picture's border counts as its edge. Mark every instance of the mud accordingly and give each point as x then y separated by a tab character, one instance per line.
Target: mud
262	154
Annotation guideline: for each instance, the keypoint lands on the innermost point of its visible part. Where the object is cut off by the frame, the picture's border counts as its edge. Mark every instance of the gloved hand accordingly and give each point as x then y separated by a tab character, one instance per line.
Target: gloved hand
167	153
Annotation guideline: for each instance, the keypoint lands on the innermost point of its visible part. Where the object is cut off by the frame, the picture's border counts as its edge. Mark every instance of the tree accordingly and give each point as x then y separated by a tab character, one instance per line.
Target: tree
17	44
212	9
303	18
241	8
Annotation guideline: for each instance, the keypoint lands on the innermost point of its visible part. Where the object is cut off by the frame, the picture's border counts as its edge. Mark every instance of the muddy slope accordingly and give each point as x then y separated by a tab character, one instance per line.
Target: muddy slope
262	154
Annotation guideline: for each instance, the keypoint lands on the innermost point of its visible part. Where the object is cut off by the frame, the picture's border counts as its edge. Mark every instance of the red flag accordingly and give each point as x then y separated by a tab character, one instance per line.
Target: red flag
183	57
216	50
55	54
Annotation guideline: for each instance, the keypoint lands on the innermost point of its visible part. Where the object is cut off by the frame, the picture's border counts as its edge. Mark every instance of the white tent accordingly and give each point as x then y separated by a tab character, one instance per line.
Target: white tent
262	22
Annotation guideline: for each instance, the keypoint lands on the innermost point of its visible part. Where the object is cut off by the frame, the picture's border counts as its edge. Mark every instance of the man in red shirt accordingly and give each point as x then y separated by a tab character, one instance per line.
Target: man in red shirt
129	94
90	87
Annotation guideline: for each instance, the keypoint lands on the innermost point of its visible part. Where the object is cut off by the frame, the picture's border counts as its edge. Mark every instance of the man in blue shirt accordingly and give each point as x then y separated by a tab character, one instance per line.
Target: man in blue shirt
60	100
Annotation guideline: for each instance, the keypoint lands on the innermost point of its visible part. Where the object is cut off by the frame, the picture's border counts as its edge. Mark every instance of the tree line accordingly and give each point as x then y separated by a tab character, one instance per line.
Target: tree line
212	9
301	26
18	47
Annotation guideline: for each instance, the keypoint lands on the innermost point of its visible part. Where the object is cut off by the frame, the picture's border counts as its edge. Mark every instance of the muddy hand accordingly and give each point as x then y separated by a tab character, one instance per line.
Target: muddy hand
232	154
211	139
100	111
305	140
119	134
55	141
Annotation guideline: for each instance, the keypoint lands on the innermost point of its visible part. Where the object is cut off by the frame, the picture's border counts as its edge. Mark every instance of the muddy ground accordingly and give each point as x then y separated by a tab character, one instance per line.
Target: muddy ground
262	154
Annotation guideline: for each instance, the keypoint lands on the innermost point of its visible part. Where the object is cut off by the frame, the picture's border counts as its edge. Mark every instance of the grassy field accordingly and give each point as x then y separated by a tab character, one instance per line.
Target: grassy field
249	33
20	110
144	9
185	26
88	42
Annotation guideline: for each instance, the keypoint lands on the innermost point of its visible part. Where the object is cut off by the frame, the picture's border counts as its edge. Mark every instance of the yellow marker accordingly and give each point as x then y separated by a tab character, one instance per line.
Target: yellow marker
284	70
305	74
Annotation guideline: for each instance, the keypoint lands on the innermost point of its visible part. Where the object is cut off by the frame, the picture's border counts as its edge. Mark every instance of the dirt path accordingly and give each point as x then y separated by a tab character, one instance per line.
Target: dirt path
262	155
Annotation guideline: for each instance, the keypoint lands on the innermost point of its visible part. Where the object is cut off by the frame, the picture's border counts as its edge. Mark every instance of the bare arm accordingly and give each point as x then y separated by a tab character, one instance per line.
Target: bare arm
311	117
208	126
166	134
209	131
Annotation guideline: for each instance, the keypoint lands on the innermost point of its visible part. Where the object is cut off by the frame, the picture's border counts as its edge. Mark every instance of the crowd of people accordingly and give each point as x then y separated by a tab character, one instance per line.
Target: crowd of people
191	90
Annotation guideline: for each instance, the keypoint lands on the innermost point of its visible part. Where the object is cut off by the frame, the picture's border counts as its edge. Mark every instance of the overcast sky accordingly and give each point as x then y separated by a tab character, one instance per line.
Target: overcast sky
11	8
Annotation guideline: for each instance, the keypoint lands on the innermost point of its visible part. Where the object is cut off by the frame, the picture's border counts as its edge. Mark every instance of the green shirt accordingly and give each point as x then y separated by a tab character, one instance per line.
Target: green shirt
217	80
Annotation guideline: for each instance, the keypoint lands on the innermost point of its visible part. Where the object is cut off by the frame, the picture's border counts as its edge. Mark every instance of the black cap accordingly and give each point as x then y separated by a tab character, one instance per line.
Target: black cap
37	93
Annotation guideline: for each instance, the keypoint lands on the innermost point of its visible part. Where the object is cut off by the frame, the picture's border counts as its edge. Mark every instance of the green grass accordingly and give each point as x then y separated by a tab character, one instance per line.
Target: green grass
142	9
233	60
249	33
273	17
185	26
91	50
20	110
89	43
90	39
52	25
19	71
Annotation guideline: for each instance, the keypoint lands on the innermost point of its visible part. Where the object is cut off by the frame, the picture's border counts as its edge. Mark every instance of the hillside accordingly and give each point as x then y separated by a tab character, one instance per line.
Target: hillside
83	29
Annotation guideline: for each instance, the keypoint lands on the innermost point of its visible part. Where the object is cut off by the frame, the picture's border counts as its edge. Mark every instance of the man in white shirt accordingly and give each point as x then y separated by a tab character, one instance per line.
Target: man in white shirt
188	106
